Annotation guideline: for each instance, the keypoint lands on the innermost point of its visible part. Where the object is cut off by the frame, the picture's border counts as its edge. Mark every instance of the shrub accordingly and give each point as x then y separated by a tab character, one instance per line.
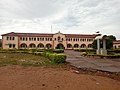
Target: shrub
57	58
40	50
38	53
54	57
114	50
109	56
33	50
84	53
58	50
76	49
48	50
85	50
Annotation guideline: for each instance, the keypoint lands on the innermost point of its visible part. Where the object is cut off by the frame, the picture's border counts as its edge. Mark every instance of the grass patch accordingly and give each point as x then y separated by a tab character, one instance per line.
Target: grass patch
24	59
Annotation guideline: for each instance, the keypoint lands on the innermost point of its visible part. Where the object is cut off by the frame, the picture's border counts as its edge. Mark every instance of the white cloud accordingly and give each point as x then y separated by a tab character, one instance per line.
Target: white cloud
68	16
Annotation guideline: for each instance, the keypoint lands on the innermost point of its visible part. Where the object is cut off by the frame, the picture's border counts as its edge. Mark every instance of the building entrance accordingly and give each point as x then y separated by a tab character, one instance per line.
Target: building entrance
60	46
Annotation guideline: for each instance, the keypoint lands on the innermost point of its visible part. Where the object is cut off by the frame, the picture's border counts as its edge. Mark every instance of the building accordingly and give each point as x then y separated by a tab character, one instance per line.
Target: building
116	44
44	40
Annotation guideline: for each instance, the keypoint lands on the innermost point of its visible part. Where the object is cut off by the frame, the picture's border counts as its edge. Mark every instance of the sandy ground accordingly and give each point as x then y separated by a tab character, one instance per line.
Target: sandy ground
41	78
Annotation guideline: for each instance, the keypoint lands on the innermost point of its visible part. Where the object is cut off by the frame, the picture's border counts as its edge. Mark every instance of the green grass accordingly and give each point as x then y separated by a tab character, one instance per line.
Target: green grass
23	59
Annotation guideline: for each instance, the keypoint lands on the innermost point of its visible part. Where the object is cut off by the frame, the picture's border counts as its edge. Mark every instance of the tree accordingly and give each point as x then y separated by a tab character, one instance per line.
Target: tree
111	37
109	42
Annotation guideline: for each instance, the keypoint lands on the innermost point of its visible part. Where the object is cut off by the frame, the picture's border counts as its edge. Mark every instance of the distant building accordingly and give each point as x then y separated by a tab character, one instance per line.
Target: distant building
0	43
43	40
116	44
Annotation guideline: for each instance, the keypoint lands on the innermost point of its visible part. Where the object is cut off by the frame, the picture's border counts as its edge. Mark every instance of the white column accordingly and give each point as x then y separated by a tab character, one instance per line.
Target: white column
104	44
104	51
98	46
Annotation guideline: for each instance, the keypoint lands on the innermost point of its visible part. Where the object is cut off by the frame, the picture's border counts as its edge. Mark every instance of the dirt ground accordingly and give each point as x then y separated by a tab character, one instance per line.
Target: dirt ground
18	77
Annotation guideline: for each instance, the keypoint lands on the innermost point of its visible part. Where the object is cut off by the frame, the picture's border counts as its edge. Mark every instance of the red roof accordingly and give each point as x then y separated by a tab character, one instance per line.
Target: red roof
49	35
81	35
28	34
116	42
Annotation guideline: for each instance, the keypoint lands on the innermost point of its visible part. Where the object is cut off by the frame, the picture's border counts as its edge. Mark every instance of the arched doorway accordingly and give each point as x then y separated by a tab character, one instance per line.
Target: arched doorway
60	46
69	46
83	46
40	45
76	46
23	45
48	46
32	45
89	45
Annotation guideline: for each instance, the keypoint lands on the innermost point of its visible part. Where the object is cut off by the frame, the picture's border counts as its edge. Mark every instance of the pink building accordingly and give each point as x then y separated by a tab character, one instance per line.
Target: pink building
44	40
116	44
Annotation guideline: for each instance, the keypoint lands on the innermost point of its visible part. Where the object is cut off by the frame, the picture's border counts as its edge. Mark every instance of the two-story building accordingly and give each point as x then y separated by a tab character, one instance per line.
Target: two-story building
47	40
116	44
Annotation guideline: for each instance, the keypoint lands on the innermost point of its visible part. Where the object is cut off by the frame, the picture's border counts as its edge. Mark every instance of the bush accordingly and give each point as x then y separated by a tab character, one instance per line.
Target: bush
109	56
48	50
33	50
114	50
84	53
57	58
40	50
54	57
85	50
58	50
39	53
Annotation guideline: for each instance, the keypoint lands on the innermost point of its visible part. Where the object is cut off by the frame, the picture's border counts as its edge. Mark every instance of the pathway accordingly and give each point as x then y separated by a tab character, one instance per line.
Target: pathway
109	65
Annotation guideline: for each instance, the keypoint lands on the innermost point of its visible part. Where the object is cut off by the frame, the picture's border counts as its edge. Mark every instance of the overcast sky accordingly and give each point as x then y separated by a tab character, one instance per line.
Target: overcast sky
66	16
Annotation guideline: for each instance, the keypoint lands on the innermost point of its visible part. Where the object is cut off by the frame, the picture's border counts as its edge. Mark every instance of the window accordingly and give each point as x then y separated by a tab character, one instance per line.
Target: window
10	45
83	40
20	38
13	45
62	39
76	39
29	39
73	39
23	39
35	39
50	39
26	38
55	39
69	39
38	39
59	38
10	38
7	38
42	39
13	38
87	39
32	38
46	39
